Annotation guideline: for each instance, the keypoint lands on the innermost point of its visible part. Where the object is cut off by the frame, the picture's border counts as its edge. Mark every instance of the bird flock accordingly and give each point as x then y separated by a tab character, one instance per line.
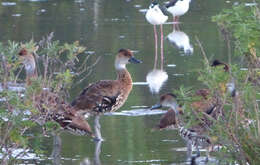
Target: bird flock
109	95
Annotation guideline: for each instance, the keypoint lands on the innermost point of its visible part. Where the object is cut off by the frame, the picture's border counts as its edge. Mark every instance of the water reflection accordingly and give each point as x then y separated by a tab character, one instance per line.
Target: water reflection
131	130
156	79
180	39
96	159
56	151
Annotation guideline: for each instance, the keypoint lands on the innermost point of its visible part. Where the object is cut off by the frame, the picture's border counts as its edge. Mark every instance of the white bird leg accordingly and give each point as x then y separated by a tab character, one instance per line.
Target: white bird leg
97	128
173	22
162	58
156	46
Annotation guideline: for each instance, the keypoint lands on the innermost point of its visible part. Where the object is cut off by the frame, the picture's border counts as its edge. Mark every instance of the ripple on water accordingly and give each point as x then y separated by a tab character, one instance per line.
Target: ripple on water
16	15
137	112
137	6
20	153
34	0
143	10
144	161
8	3
171	65
140	83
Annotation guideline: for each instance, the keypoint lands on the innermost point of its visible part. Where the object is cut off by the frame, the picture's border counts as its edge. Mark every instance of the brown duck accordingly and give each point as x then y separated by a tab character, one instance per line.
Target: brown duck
193	135
29	63
50	105
169	119
108	95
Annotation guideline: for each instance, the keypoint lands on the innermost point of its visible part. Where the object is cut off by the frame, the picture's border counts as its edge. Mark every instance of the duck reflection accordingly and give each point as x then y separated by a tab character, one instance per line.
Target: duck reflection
181	40
56	156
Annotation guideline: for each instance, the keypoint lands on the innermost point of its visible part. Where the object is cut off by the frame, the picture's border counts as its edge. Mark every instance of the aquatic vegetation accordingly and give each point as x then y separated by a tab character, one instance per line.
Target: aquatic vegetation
242	22
19	113
237	125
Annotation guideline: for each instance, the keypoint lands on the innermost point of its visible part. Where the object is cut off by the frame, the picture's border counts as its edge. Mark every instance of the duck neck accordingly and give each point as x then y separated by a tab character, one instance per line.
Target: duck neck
124	76
174	106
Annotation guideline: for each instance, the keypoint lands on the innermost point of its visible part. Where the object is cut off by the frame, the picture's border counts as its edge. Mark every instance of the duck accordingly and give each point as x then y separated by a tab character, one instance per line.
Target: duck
194	136
178	8
108	95
169	119
28	60
157	15
229	86
50	105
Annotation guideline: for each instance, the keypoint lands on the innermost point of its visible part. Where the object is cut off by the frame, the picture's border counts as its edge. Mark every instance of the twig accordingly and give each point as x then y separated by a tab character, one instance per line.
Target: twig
202	50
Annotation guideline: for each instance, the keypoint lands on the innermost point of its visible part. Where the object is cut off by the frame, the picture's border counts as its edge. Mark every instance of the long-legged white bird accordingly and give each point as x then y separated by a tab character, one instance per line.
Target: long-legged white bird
156	16
178	8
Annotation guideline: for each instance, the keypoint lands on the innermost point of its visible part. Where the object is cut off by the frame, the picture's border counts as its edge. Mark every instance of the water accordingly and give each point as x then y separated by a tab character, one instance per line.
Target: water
104	27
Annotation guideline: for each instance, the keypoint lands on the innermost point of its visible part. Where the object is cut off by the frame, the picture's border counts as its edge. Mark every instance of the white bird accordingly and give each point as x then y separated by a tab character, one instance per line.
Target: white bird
178	8
156	16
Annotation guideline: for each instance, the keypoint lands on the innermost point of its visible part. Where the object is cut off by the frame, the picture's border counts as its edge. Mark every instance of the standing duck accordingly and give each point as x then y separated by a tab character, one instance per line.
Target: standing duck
178	8
50	105
29	63
108	95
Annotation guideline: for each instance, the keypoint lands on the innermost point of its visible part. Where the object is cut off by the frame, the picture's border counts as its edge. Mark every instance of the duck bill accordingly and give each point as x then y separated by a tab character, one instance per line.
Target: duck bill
133	60
156	106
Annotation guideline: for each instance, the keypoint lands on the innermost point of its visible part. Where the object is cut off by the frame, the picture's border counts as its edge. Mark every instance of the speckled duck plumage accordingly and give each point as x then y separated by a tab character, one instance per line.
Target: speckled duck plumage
50	106
108	95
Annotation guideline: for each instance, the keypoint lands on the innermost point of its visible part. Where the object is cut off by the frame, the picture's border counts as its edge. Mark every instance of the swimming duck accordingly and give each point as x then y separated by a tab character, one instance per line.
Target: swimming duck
171	119
178	8
50	105
157	15
108	95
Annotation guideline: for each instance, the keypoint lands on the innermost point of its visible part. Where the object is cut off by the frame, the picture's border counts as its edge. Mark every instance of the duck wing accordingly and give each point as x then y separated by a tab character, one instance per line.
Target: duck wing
167	120
98	97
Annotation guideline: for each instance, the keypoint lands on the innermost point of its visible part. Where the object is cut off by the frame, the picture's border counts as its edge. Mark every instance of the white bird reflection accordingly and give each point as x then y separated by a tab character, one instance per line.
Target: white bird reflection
155	79
181	40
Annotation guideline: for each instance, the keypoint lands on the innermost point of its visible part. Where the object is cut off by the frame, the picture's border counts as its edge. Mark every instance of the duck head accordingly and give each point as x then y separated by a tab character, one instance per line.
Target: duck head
125	56
167	100
216	63
28	60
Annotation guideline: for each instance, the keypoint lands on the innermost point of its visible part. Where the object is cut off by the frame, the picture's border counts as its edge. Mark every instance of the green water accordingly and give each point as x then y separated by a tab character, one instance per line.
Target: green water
105	26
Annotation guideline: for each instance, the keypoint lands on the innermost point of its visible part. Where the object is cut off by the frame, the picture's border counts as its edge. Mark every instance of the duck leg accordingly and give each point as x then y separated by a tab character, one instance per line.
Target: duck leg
156	46
162	57
97	153
97	128
189	149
